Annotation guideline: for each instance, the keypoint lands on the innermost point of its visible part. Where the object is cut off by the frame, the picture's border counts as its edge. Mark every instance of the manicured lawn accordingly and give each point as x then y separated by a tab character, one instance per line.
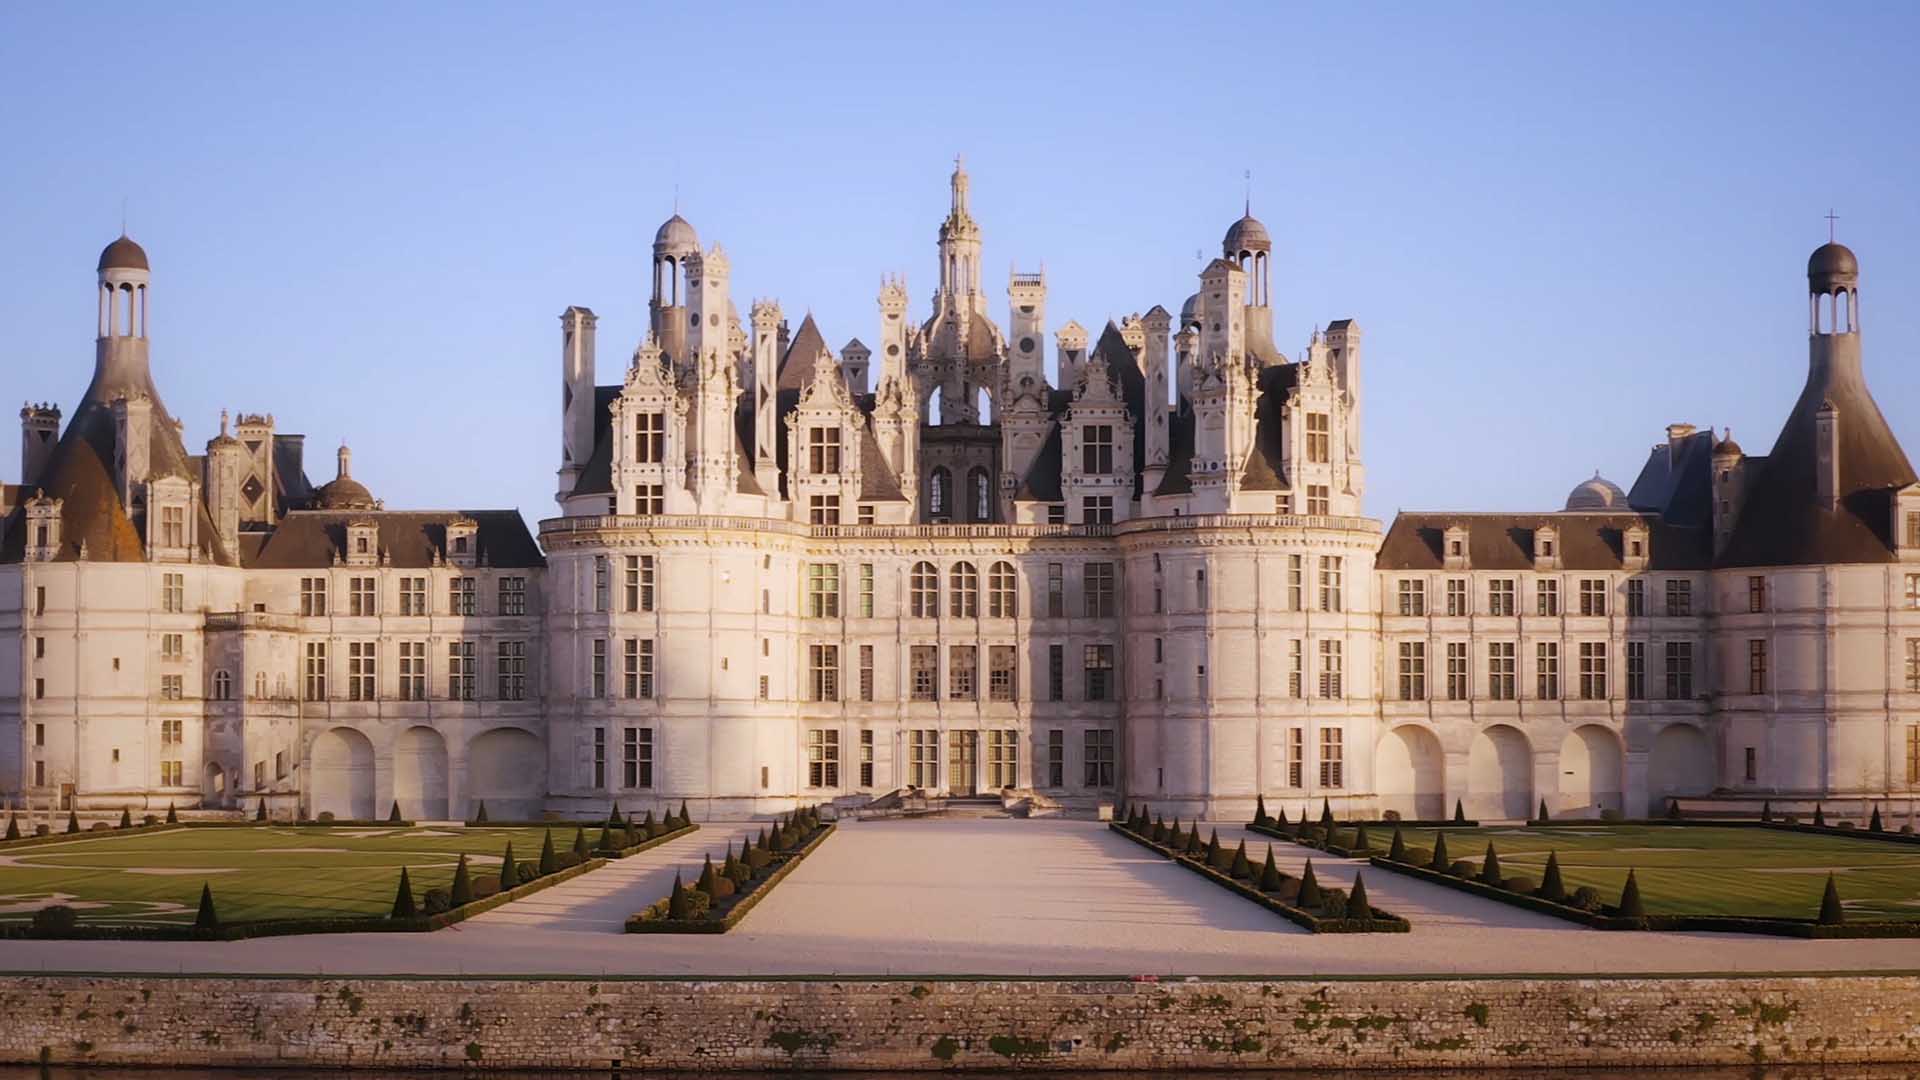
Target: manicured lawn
1700	870
257	872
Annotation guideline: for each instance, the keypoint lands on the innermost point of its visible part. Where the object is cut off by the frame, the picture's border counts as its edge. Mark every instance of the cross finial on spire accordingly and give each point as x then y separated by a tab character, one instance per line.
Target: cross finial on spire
1248	177
1831	218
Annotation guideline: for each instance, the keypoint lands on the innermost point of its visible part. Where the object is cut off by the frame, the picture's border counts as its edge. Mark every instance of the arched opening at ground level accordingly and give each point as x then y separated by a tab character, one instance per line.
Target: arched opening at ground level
420	774
507	769
1592	769
342	780
1410	773
214	791
1499	775
1680	765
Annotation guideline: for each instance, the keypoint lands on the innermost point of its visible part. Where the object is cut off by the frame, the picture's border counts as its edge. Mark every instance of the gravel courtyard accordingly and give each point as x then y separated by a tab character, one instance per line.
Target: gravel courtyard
993	896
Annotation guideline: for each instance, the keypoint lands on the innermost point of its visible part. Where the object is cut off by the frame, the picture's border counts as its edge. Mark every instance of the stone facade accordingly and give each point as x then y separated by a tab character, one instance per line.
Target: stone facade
988	1024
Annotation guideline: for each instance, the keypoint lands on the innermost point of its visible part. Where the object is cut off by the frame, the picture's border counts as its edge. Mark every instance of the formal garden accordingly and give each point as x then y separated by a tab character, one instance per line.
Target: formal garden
720	896
165	879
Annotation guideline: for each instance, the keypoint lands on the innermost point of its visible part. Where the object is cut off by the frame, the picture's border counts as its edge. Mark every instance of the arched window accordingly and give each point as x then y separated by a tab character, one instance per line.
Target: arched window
222	686
965	584
937	492
982	491
259	684
925	591
1000	585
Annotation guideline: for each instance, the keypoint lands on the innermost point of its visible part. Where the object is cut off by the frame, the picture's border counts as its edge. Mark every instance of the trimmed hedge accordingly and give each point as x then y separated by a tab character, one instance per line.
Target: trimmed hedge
643	845
1740	823
655	919
1382	922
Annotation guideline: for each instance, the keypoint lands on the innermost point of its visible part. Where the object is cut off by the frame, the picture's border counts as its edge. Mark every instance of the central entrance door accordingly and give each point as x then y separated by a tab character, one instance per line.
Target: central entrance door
963	753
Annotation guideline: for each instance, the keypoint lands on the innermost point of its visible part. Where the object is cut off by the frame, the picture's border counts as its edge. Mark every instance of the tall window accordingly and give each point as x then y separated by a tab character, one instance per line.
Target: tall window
964	585
866	590
1332	758
962	672
1056	591
638	758
1319	500
923	671
600	583
1593	670
649	499
316	670
1547	596
823	661
982	489
1318	441
650	438
1296	669
173	526
1913	591
1000	591
1096	450
1457	597
1413	596
1756	666
823	757
1096	510
1913	663
173	593
939	486
1593	596
1099	757
1296	582
923	757
1500	670
639	584
1099	670
1296	757
823	450
460	670
413	596
1913	754
866	673
513	596
1679	670
1332	662
1457	682
461	597
1001	673
924	591
599	667
223	685
413	671
1003	758
1546	670
1056	673
510	669
1097	583
1679	597
360	595
1200	598
599	757
1636	597
823	590
1057	758
360	671
1500	596
866	757
172	688
1636	670
1413	671
1330	588
172	646
1757	592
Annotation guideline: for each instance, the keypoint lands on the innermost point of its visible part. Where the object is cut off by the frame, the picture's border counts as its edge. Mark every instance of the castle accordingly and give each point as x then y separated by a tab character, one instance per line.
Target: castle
785	576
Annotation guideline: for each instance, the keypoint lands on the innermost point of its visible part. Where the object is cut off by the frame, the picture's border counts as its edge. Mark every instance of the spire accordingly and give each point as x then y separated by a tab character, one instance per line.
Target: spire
345	458
959	182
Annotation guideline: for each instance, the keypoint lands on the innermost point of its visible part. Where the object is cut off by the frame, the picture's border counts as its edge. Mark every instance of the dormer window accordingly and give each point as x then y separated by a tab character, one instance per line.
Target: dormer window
43	528
650	438
823	450
1096	450
1633	547
169	523
363	543
1455	545
463	542
1319	444
1546	547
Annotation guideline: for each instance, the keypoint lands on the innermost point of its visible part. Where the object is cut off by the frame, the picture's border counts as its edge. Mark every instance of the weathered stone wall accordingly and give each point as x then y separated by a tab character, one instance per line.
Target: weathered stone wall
984	1024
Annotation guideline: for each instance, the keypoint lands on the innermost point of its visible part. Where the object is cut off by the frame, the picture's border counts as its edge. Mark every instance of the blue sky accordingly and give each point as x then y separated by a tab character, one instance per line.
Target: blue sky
1561	227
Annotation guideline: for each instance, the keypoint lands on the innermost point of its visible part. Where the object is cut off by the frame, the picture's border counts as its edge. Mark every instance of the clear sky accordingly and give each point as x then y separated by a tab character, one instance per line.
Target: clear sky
1561	226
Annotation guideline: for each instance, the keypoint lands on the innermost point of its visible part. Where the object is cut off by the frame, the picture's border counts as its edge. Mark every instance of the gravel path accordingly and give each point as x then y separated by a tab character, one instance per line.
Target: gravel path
980	897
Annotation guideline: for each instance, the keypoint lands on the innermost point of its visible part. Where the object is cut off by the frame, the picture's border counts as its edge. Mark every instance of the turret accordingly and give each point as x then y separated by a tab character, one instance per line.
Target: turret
893	327
711	370
1729	487
673	245
39	433
854	360
225	472
1027	320
1154	327
959	251
765	315
576	395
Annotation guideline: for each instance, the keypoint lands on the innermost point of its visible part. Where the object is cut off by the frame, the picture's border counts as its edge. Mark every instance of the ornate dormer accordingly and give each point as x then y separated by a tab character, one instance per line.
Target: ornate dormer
823	440
1455	548
1546	548
650	431
1635	546
43	528
1097	465
463	542
171	522
363	542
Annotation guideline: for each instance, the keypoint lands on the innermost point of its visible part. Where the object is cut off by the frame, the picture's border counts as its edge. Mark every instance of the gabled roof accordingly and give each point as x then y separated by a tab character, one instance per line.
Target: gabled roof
1042	482
1125	368
411	539
1178	479
796	364
1587	541
1677	481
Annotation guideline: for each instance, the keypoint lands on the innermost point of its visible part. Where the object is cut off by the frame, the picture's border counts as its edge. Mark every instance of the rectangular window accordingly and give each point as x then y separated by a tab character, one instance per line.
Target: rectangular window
1500	597
1679	597
864	513
823	661
413	596
1913	664
360	671
1296	582
1200	597
1296	757
823	450
823	590
1056	673
513	596
1099	670
866	590
1413	671
639	583
599	667
1296	669
316	671
650	438
1636	597
1458	685
1913	592
1332	662
649	499
866	673
510	669
866	757
1056	513
766	688
823	509
172	646
1096	510
600	584
1330	587
923	663
1056	591
1318	441
170	774
923	758
599	757
1097	580
1332	757
638	760
1413	596
1593	596
1547	596
171	687
1913	754
1057	758
1593	671
1099	758
1546	670
1636	671
1319	500
1096	450
1756	666
462	599
1000	672
962	672
173	526
1003	758
1757	592
1753	765
173	593
413	671
1457	604
360	597
1501	672
1679	670
460	670
823	757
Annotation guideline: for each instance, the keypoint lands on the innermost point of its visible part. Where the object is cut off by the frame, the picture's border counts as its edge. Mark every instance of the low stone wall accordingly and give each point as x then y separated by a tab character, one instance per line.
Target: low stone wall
948	1024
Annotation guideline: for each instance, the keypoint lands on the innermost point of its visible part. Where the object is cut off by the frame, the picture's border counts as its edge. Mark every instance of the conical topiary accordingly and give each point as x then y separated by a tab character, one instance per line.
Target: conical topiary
705	883
1361	845
677	905
73	822
173	816
1766	810
393	815
1831	913
1240	868
1543	812
1281	821
260	812
13	826
686	819
1440	862
1551	887
403	898
606	838
1459	813
1357	906
1819	815
1490	868
1213	848
1873	823
613	814
1195	848
206	918
1673	809
126	818
1397	851
580	841
480	814
1260	811
1309	896
1270	879
1326	815
1630	906
509	870
462	890
549	861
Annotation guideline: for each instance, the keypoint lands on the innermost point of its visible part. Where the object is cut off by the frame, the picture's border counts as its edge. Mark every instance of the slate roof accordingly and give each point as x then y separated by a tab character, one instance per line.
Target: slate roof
1042	482
796	364
1265	468
1178	479
1587	541
311	538
596	476
1677	483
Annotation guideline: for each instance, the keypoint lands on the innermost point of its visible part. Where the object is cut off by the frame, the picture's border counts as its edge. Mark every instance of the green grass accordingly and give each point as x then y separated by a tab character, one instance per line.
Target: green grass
1700	870
257	873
